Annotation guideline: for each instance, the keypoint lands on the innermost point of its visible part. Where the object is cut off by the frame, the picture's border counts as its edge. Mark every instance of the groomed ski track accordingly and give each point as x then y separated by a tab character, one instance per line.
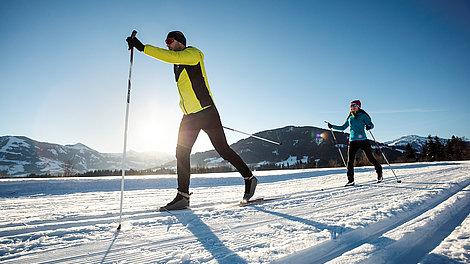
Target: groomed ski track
315	220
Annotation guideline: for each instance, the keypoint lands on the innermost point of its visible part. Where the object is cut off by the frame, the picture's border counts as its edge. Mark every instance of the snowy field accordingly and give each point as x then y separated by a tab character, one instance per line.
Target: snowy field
311	218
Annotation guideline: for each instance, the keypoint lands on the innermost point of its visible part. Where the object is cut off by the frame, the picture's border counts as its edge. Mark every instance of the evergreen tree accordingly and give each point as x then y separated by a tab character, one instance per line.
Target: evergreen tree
439	151
428	152
455	148
410	153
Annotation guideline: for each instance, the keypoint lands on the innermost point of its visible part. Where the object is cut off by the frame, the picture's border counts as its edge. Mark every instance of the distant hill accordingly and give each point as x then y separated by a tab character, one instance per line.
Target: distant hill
300	145
21	155
417	142
304	144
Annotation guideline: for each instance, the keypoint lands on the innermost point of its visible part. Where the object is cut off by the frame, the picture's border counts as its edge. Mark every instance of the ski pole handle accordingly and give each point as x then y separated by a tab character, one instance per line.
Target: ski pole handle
134	32
131	48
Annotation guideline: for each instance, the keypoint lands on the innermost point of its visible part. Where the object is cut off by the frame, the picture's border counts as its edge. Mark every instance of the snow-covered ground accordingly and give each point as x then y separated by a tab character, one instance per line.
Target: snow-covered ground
311	218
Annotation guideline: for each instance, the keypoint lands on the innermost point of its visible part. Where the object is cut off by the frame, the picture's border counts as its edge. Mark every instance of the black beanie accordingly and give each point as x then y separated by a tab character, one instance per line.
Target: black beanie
178	36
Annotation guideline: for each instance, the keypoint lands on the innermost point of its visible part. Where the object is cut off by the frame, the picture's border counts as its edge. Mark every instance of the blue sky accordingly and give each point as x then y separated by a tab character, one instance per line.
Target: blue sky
63	75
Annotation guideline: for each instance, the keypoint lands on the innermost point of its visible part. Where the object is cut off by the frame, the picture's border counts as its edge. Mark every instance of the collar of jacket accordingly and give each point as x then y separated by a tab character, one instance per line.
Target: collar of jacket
360	111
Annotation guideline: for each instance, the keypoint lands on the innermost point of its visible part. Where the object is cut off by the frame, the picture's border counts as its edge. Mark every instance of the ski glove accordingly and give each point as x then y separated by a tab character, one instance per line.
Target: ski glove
135	43
330	125
368	127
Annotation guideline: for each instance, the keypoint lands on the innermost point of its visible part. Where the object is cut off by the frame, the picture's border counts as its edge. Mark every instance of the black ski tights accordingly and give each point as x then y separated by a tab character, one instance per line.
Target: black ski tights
190	126
354	146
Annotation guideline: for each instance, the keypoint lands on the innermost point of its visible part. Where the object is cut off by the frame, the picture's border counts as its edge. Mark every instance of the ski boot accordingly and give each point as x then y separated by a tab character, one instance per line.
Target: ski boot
350	183
180	202
250	187
380	177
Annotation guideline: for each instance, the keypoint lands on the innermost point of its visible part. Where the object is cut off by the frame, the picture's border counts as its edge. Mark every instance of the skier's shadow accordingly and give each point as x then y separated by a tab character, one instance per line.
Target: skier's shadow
335	230
208	239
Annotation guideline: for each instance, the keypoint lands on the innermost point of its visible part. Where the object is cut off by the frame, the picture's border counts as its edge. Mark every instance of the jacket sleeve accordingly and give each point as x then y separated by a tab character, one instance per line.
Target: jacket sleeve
367	120
188	56
343	127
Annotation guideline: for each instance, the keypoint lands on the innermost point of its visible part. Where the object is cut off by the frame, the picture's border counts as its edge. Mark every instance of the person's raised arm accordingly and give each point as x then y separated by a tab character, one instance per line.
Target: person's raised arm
188	56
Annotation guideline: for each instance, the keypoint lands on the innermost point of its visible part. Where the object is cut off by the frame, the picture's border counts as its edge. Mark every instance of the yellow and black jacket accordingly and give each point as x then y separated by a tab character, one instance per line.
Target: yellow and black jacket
190	75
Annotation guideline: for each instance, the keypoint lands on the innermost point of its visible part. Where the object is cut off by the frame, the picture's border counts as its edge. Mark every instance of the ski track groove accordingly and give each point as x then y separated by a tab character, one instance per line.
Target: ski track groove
199	207
332	249
358	202
317	196
413	247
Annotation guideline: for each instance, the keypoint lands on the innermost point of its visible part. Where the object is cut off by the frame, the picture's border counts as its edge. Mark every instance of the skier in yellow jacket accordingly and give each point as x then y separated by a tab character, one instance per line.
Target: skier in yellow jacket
199	111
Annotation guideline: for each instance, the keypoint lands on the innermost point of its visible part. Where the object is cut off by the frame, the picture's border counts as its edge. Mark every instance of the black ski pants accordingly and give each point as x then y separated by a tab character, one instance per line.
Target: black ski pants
209	121
354	146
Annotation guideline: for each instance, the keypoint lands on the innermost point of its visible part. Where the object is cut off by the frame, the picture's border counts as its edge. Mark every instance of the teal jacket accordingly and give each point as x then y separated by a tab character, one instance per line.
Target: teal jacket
357	122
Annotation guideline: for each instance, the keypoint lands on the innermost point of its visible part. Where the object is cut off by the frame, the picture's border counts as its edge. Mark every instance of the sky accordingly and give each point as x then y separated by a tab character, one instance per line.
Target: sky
270	64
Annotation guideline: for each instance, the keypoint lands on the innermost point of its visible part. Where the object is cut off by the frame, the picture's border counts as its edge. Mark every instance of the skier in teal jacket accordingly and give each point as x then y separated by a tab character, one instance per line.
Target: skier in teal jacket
358	120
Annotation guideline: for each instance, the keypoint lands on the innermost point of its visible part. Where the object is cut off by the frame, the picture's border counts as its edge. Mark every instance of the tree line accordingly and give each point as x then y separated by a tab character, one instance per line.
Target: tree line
436	149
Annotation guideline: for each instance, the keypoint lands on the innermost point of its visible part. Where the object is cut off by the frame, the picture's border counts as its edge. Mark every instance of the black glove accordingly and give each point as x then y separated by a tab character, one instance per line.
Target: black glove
368	127
135	43
330	125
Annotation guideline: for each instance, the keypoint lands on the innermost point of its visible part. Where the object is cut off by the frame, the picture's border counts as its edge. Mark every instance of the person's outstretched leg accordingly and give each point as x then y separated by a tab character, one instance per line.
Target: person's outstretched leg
217	137
216	134
378	168
352	149
219	141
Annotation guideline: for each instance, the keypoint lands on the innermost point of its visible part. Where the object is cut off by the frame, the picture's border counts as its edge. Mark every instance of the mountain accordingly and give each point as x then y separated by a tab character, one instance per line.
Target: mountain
21	155
304	144
416	142
300	145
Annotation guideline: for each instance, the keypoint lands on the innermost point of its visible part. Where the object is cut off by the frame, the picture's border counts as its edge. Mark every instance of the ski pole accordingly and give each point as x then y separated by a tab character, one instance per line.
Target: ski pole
399	181
248	134
336	143
125	129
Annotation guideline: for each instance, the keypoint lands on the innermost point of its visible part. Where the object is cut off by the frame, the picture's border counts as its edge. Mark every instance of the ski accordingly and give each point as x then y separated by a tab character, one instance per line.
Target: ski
173	212
256	201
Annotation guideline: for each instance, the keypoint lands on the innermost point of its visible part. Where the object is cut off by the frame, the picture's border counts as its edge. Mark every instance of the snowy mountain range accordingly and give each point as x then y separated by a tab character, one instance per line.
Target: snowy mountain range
21	155
304	144
417	142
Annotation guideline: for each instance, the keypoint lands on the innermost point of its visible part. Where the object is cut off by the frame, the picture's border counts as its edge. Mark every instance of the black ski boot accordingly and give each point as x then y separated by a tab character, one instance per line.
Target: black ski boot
350	183
180	202
380	177
250	187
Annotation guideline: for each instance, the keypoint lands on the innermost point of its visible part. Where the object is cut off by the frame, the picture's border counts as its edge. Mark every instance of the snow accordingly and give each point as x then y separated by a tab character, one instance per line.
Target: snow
262	163
50	165
73	220
411	139
79	146
455	247
53	151
213	161
292	160
14	142
13	168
